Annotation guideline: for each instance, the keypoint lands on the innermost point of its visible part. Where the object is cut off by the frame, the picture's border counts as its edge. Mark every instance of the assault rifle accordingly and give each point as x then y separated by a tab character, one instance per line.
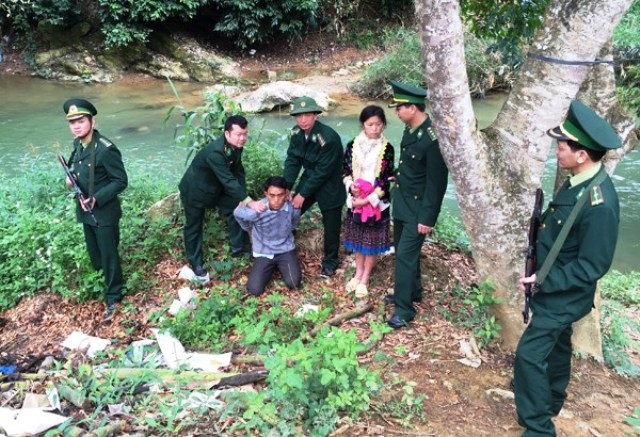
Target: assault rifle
532	256
77	191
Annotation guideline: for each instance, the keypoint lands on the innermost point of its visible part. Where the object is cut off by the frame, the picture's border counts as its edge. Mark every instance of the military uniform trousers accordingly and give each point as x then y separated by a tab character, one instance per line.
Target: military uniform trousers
541	374
193	229
331	222
408	284
102	244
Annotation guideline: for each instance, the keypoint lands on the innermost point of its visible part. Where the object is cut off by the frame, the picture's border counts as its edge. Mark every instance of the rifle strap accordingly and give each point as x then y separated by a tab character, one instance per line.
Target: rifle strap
557	245
92	167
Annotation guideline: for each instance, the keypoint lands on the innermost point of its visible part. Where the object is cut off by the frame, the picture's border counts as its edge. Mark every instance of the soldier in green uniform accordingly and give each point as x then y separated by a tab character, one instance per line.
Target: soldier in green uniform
543	357
216	178
421	182
97	166
317	149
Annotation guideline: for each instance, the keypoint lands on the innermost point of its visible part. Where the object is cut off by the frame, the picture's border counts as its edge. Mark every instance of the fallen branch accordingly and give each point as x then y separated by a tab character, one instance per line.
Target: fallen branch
249	359
167	376
336	320
243	378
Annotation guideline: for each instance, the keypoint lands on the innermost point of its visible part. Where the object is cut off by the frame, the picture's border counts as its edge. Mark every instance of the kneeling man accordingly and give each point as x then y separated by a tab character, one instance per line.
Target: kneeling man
272	236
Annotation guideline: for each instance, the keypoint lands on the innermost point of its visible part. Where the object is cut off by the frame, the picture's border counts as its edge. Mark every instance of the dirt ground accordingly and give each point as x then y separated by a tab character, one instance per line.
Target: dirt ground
457	402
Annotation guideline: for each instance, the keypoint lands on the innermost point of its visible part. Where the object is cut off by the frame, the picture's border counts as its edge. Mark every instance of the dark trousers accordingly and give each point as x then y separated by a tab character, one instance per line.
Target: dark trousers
331	223
102	245
408	285
193	230
288	265
542	370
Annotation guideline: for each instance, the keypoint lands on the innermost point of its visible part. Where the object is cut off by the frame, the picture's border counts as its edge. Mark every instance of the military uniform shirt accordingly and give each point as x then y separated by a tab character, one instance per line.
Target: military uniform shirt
421	177
567	293
320	155
109	179
215	171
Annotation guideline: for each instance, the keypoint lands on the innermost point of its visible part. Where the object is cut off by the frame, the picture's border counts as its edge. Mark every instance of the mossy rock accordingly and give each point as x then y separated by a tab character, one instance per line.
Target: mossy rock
59	36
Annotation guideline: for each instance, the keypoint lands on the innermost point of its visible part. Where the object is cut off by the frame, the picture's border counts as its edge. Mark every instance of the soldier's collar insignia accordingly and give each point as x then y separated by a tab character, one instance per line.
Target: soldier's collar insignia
596	196
419	134
432	133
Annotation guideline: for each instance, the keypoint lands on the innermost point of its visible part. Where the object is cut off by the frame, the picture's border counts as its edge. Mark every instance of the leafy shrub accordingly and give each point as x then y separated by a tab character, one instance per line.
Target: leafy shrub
208	326
403	61
618	330
259	21
621	287
309	385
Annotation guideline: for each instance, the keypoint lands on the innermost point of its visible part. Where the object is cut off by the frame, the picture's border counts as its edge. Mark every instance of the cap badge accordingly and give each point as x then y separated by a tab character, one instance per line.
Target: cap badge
73	108
303	104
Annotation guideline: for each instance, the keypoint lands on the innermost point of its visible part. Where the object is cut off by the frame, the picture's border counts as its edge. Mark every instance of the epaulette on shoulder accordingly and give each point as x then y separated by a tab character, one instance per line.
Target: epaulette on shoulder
105	142
596	195
432	134
321	140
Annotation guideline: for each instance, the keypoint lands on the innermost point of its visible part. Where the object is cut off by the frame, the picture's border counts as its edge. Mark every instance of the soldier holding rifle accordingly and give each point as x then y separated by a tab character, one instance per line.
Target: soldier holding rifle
576	243
96	165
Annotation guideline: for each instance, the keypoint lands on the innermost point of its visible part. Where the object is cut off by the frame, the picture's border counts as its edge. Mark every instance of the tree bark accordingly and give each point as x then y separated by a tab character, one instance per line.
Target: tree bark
496	171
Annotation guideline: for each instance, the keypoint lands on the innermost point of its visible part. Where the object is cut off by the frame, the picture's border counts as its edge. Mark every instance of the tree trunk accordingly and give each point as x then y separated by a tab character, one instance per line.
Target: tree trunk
496	171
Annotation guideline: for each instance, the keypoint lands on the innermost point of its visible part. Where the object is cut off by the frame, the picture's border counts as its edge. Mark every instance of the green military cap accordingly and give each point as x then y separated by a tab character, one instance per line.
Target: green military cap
78	108
304	104
404	93
586	127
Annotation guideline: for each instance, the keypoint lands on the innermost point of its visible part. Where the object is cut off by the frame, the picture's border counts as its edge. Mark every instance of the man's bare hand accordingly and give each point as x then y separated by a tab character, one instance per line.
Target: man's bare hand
424	229
528	280
257	206
87	204
298	200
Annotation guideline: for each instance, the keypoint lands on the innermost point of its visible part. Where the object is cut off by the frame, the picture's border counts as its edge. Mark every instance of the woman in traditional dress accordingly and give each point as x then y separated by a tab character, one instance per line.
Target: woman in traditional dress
367	175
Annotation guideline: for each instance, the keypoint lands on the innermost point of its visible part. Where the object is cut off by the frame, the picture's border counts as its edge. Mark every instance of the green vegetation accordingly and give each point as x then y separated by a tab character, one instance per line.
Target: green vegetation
471	308
121	23
635	420
403	61
450	233
622	287
619	322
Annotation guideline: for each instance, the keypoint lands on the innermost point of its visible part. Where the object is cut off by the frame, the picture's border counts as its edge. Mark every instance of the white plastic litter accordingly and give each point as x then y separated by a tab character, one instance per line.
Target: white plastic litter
79	341
175	355
185	272
471	352
306	308
28	421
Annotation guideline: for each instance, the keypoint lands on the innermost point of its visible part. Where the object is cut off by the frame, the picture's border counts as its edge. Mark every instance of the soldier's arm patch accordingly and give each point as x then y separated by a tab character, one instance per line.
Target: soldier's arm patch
596	196
432	133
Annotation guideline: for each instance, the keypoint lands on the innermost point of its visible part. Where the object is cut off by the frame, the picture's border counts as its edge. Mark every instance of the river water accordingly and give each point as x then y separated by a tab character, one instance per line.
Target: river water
131	113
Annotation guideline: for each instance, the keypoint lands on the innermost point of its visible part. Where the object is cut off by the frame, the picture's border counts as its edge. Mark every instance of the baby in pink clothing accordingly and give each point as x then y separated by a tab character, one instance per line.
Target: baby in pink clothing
367	212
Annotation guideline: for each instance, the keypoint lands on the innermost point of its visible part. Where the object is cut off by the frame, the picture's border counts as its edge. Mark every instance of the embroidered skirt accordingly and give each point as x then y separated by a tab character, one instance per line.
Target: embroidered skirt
371	238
